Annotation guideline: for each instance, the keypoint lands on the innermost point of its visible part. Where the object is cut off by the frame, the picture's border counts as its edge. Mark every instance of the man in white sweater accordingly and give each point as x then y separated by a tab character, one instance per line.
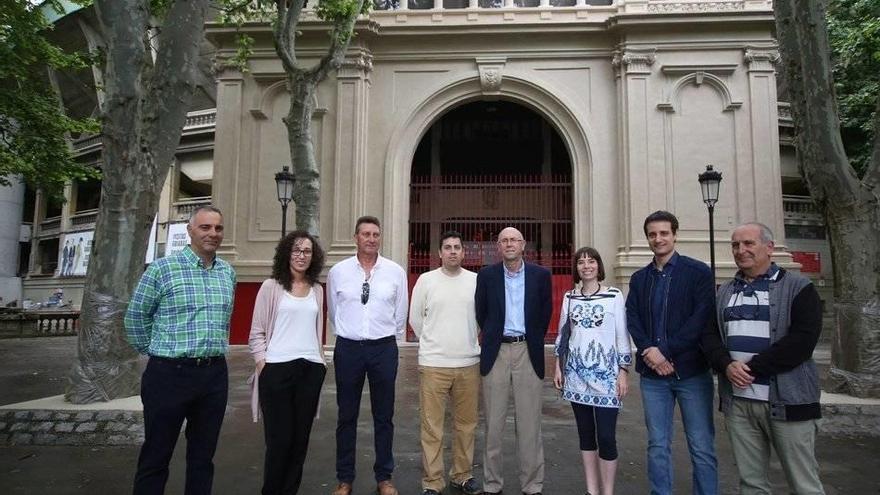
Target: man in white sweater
442	315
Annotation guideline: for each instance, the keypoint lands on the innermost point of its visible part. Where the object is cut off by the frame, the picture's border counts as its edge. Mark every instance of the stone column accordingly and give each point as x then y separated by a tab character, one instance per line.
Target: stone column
635	115
763	123
11	205
350	168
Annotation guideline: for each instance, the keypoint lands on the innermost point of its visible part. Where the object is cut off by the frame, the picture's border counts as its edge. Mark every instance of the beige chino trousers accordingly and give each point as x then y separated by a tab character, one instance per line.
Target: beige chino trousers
513	368
437	386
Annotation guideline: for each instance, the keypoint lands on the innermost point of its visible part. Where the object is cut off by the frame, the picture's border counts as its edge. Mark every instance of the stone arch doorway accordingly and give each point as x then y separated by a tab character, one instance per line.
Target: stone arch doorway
486	165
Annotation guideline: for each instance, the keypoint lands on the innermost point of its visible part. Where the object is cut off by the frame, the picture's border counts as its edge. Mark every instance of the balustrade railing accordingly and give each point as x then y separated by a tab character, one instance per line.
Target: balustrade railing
50	226
184	207
39	323
200	118
800	209
84	219
621	6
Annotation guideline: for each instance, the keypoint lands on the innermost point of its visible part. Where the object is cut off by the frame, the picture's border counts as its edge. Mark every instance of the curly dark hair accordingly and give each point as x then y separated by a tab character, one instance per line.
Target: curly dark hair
281	262
592	253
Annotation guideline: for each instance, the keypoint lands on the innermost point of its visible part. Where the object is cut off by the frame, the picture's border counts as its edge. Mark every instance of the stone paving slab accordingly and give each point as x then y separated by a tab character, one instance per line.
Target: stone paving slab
848	465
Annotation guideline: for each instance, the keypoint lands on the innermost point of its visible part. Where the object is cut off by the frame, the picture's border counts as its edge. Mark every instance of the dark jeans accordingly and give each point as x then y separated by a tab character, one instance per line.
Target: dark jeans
172	392
289	395
356	360
597	428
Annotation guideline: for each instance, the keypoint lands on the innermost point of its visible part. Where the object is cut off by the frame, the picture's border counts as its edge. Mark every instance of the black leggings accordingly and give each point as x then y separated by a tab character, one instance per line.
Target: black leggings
597	425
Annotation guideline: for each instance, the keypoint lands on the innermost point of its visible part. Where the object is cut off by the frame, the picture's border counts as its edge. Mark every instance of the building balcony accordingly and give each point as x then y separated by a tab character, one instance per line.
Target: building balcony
50	226
183	208
477	12
84	220
800	210
196	122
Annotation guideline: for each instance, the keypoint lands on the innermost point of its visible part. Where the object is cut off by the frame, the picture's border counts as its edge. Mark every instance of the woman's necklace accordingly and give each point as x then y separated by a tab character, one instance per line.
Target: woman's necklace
598	288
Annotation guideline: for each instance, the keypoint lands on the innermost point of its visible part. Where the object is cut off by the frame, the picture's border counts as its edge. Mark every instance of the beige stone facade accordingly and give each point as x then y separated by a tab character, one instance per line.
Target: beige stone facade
642	93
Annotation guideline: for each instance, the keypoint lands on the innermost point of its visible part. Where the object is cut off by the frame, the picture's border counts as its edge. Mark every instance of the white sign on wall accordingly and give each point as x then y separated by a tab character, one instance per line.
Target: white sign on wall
73	257
178	238
151	242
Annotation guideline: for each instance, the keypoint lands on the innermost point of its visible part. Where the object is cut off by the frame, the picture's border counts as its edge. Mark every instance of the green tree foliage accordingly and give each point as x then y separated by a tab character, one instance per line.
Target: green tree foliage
237	12
33	126
854	35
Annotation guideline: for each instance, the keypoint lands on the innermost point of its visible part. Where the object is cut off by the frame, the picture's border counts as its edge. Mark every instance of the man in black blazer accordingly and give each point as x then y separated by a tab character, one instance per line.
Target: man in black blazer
513	305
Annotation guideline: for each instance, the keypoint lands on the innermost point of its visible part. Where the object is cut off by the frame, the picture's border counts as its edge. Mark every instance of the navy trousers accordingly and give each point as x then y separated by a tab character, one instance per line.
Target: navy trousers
355	361
171	392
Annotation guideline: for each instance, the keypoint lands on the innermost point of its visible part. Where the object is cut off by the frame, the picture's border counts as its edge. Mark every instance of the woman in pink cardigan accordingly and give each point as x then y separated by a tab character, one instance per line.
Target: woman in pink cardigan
285	341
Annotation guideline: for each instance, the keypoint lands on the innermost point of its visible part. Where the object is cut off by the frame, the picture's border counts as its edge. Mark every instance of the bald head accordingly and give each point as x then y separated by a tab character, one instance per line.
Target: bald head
511	245
510	232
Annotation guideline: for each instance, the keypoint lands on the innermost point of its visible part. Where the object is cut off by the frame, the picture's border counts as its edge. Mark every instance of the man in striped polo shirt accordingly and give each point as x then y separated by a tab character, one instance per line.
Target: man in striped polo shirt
179	316
768	323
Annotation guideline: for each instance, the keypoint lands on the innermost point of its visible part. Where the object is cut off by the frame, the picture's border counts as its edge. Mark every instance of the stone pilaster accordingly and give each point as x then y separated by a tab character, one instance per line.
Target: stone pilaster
350	169
228	155
633	75
760	64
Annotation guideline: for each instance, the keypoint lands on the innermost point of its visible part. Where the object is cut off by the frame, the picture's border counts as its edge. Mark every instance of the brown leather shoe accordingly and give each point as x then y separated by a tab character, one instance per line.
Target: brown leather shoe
386	488
342	489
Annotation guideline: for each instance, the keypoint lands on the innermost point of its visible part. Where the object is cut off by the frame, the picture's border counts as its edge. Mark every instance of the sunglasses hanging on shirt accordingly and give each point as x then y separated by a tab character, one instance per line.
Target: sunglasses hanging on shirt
365	293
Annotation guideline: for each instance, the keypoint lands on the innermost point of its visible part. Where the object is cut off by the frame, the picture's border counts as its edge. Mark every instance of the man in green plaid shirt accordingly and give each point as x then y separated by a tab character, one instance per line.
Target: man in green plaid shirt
179	316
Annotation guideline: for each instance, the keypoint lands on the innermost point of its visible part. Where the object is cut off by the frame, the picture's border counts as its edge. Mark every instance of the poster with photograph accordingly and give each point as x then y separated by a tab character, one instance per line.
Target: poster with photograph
73	257
178	238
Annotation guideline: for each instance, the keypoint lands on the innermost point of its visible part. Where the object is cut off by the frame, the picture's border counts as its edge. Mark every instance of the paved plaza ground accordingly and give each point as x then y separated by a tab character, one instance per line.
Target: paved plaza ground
34	368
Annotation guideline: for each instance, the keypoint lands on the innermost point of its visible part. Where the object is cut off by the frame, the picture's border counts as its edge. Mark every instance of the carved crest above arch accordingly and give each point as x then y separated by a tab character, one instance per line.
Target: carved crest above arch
699	78
491	71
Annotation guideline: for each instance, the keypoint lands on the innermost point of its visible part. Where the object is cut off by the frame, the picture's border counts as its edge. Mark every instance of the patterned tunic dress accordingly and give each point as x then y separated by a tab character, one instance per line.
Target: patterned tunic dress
598	346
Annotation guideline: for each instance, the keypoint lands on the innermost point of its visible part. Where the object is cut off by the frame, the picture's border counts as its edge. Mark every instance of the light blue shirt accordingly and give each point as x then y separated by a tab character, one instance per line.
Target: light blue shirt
514	301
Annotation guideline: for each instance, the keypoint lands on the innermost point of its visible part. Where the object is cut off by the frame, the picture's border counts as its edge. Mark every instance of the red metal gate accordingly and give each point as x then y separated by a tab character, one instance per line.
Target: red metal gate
480	206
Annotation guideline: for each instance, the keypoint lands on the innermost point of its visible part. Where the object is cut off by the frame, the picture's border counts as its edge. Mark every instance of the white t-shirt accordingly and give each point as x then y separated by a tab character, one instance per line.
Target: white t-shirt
295	335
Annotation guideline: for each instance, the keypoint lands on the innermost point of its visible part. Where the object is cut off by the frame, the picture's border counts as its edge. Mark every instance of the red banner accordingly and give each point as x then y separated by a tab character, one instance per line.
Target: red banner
810	261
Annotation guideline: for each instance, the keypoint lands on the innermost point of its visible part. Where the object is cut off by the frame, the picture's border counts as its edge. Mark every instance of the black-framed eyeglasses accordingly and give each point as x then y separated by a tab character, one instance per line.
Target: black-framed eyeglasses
365	293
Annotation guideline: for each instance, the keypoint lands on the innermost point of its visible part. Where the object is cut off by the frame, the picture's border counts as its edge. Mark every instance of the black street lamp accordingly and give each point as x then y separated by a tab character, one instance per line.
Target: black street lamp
710	183
284	181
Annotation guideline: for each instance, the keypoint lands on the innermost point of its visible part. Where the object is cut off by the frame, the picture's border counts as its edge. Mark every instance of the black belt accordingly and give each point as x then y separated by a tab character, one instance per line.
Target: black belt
199	362
513	340
383	340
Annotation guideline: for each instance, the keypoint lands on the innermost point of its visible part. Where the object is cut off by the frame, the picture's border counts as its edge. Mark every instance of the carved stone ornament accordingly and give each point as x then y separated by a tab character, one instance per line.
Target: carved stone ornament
490	79
634	62
491	74
696	6
361	62
761	58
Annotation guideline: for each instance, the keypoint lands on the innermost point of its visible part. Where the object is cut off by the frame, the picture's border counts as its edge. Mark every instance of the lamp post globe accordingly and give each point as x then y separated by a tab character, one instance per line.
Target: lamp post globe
710	186
284	182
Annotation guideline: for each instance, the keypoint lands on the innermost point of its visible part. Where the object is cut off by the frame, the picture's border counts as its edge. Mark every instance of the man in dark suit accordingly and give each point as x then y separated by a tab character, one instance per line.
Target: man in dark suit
513	304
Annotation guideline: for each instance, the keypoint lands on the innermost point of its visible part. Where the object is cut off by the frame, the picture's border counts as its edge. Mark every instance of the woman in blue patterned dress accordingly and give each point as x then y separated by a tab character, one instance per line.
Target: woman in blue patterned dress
593	355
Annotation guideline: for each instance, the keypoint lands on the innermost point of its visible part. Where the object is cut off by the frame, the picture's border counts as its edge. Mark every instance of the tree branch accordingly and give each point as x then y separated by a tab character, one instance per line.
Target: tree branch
343	30
871	180
803	42
175	76
285	32
126	57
